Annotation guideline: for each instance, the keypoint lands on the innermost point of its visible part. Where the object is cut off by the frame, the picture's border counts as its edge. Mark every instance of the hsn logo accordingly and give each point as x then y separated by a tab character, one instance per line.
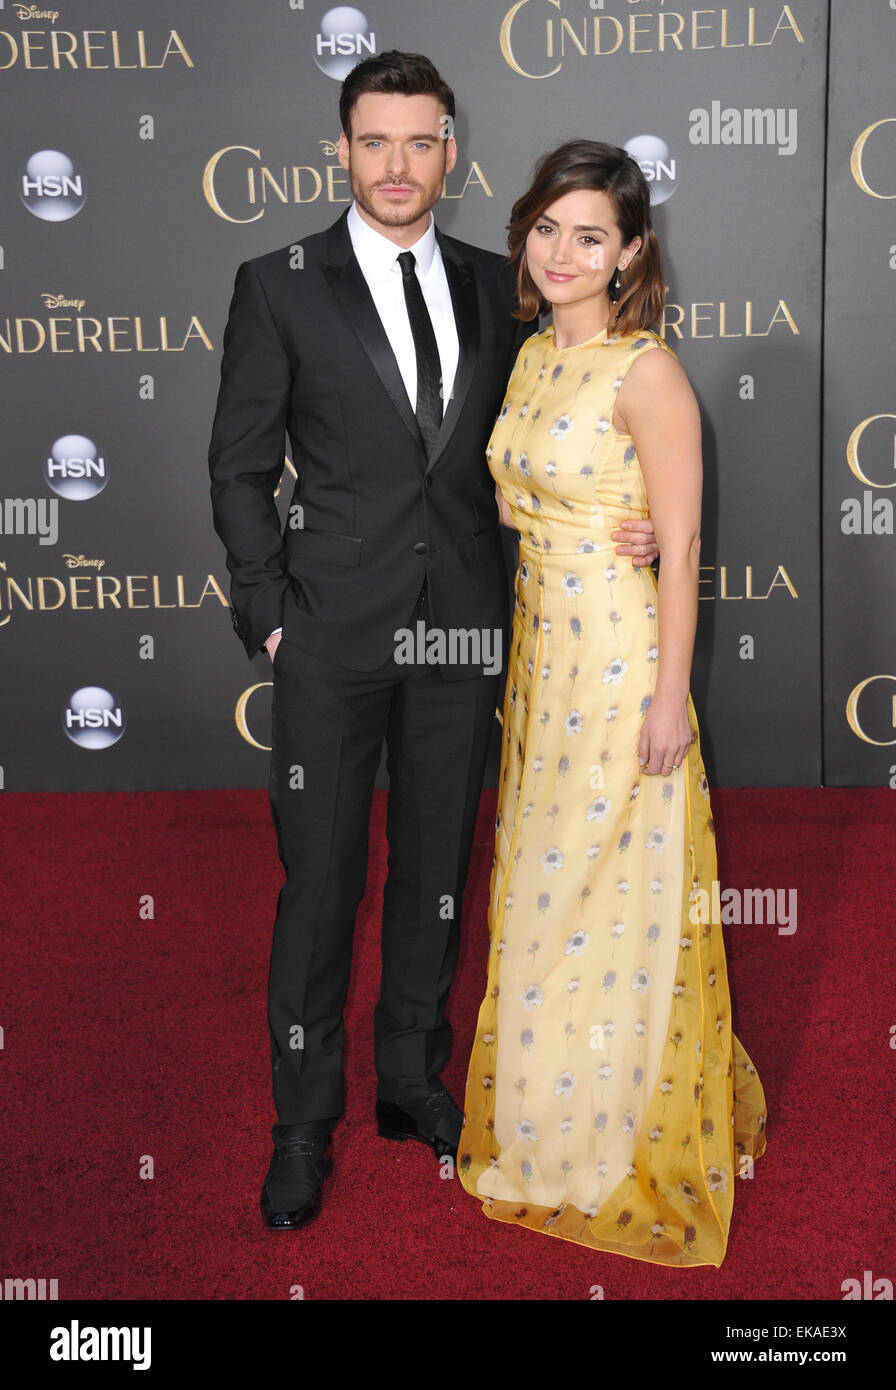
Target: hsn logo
344	38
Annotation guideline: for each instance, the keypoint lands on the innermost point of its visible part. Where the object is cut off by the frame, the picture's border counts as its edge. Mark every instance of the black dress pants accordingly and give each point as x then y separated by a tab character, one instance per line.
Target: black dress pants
328	727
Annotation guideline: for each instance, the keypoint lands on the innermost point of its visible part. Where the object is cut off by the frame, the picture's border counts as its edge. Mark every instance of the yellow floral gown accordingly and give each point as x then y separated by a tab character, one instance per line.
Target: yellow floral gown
608	1101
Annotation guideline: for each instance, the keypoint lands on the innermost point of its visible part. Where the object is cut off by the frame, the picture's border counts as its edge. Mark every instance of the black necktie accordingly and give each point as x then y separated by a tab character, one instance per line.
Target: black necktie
429	368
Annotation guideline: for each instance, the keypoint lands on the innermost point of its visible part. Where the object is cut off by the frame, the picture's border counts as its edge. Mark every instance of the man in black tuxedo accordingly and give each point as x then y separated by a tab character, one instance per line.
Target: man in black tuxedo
383	348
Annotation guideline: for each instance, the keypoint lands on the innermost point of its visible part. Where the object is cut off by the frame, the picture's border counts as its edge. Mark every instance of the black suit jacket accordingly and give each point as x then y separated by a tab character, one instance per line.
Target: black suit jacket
305	353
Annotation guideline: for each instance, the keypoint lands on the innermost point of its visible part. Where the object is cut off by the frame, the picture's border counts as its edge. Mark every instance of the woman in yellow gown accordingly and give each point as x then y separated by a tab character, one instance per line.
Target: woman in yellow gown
608	1101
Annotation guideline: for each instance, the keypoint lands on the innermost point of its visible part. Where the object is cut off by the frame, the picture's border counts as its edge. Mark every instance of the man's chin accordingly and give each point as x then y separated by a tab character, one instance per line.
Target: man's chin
395	213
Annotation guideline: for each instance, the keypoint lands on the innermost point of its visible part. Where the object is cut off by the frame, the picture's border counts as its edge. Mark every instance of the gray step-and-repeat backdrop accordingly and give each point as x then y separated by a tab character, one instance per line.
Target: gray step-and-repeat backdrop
859	673
150	146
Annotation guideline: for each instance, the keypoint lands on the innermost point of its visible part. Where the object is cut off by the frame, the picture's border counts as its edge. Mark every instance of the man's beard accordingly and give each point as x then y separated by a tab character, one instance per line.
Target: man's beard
399	215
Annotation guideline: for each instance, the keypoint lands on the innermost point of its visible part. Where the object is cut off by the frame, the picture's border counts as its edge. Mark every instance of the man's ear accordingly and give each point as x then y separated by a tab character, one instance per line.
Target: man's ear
450	154
342	149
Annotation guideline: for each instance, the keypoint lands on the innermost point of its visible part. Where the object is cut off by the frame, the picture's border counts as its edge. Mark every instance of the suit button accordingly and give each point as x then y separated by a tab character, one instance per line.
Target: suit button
428	483
420	548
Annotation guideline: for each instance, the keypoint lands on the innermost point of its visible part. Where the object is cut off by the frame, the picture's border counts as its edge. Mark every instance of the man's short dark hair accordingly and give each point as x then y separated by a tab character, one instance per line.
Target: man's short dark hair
407	74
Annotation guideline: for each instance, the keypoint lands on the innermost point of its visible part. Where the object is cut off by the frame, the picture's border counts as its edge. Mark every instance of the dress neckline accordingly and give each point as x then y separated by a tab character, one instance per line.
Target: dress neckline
598	337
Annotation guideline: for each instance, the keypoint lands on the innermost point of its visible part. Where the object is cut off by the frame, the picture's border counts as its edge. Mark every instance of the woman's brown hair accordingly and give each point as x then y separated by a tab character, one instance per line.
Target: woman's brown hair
605	169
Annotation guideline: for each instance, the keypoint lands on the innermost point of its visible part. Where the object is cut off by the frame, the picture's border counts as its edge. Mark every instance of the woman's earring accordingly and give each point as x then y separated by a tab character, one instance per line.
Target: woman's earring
615	286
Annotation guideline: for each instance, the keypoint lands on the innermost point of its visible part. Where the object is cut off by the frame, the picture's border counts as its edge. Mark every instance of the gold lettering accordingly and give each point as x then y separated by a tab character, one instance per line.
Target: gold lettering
791	25
664	18
674	324
54	335
26	602
857	156
73	583
118	318
566	27
13	49
175	44
56	37
88	48
783	581
506	44
28	47
696	318
287	468
852	712
195	330
335	175
788	318
239	714
598	51
480	179
268	178
633	33
42	604
157	601
208	181
317	184
696	26
42	337
725	43
709	571
91	337
101	581
209	588
116	56
129	587
138	335
852	451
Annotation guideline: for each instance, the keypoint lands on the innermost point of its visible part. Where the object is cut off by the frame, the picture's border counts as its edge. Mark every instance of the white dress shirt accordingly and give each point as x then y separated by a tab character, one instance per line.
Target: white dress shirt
378	258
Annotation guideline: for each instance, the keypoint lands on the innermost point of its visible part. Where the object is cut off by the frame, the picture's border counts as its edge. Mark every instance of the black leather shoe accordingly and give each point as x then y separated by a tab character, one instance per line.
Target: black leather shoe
434	1120
290	1196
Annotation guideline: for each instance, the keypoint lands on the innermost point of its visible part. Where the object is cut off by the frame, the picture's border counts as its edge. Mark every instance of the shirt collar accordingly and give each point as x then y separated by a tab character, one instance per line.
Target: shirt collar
378	255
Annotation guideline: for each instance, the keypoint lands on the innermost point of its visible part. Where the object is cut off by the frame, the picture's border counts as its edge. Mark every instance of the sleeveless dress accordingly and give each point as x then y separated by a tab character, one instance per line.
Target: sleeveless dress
608	1101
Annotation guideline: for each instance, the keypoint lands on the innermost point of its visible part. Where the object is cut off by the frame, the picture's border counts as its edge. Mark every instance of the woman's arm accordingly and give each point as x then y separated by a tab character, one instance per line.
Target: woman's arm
663	418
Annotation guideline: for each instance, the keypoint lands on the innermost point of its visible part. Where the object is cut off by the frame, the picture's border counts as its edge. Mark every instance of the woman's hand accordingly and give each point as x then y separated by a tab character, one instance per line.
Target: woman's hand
638	539
666	736
504	514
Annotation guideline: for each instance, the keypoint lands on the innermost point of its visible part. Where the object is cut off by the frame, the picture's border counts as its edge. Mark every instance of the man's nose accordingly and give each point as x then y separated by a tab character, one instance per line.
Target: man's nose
398	160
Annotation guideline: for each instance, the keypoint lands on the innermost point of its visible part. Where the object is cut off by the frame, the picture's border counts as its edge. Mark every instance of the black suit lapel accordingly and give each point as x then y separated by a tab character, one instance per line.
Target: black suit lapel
346	280
462	286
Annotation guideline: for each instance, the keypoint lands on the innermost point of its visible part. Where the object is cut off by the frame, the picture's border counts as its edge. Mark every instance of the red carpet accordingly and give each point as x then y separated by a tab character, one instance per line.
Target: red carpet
125	1038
